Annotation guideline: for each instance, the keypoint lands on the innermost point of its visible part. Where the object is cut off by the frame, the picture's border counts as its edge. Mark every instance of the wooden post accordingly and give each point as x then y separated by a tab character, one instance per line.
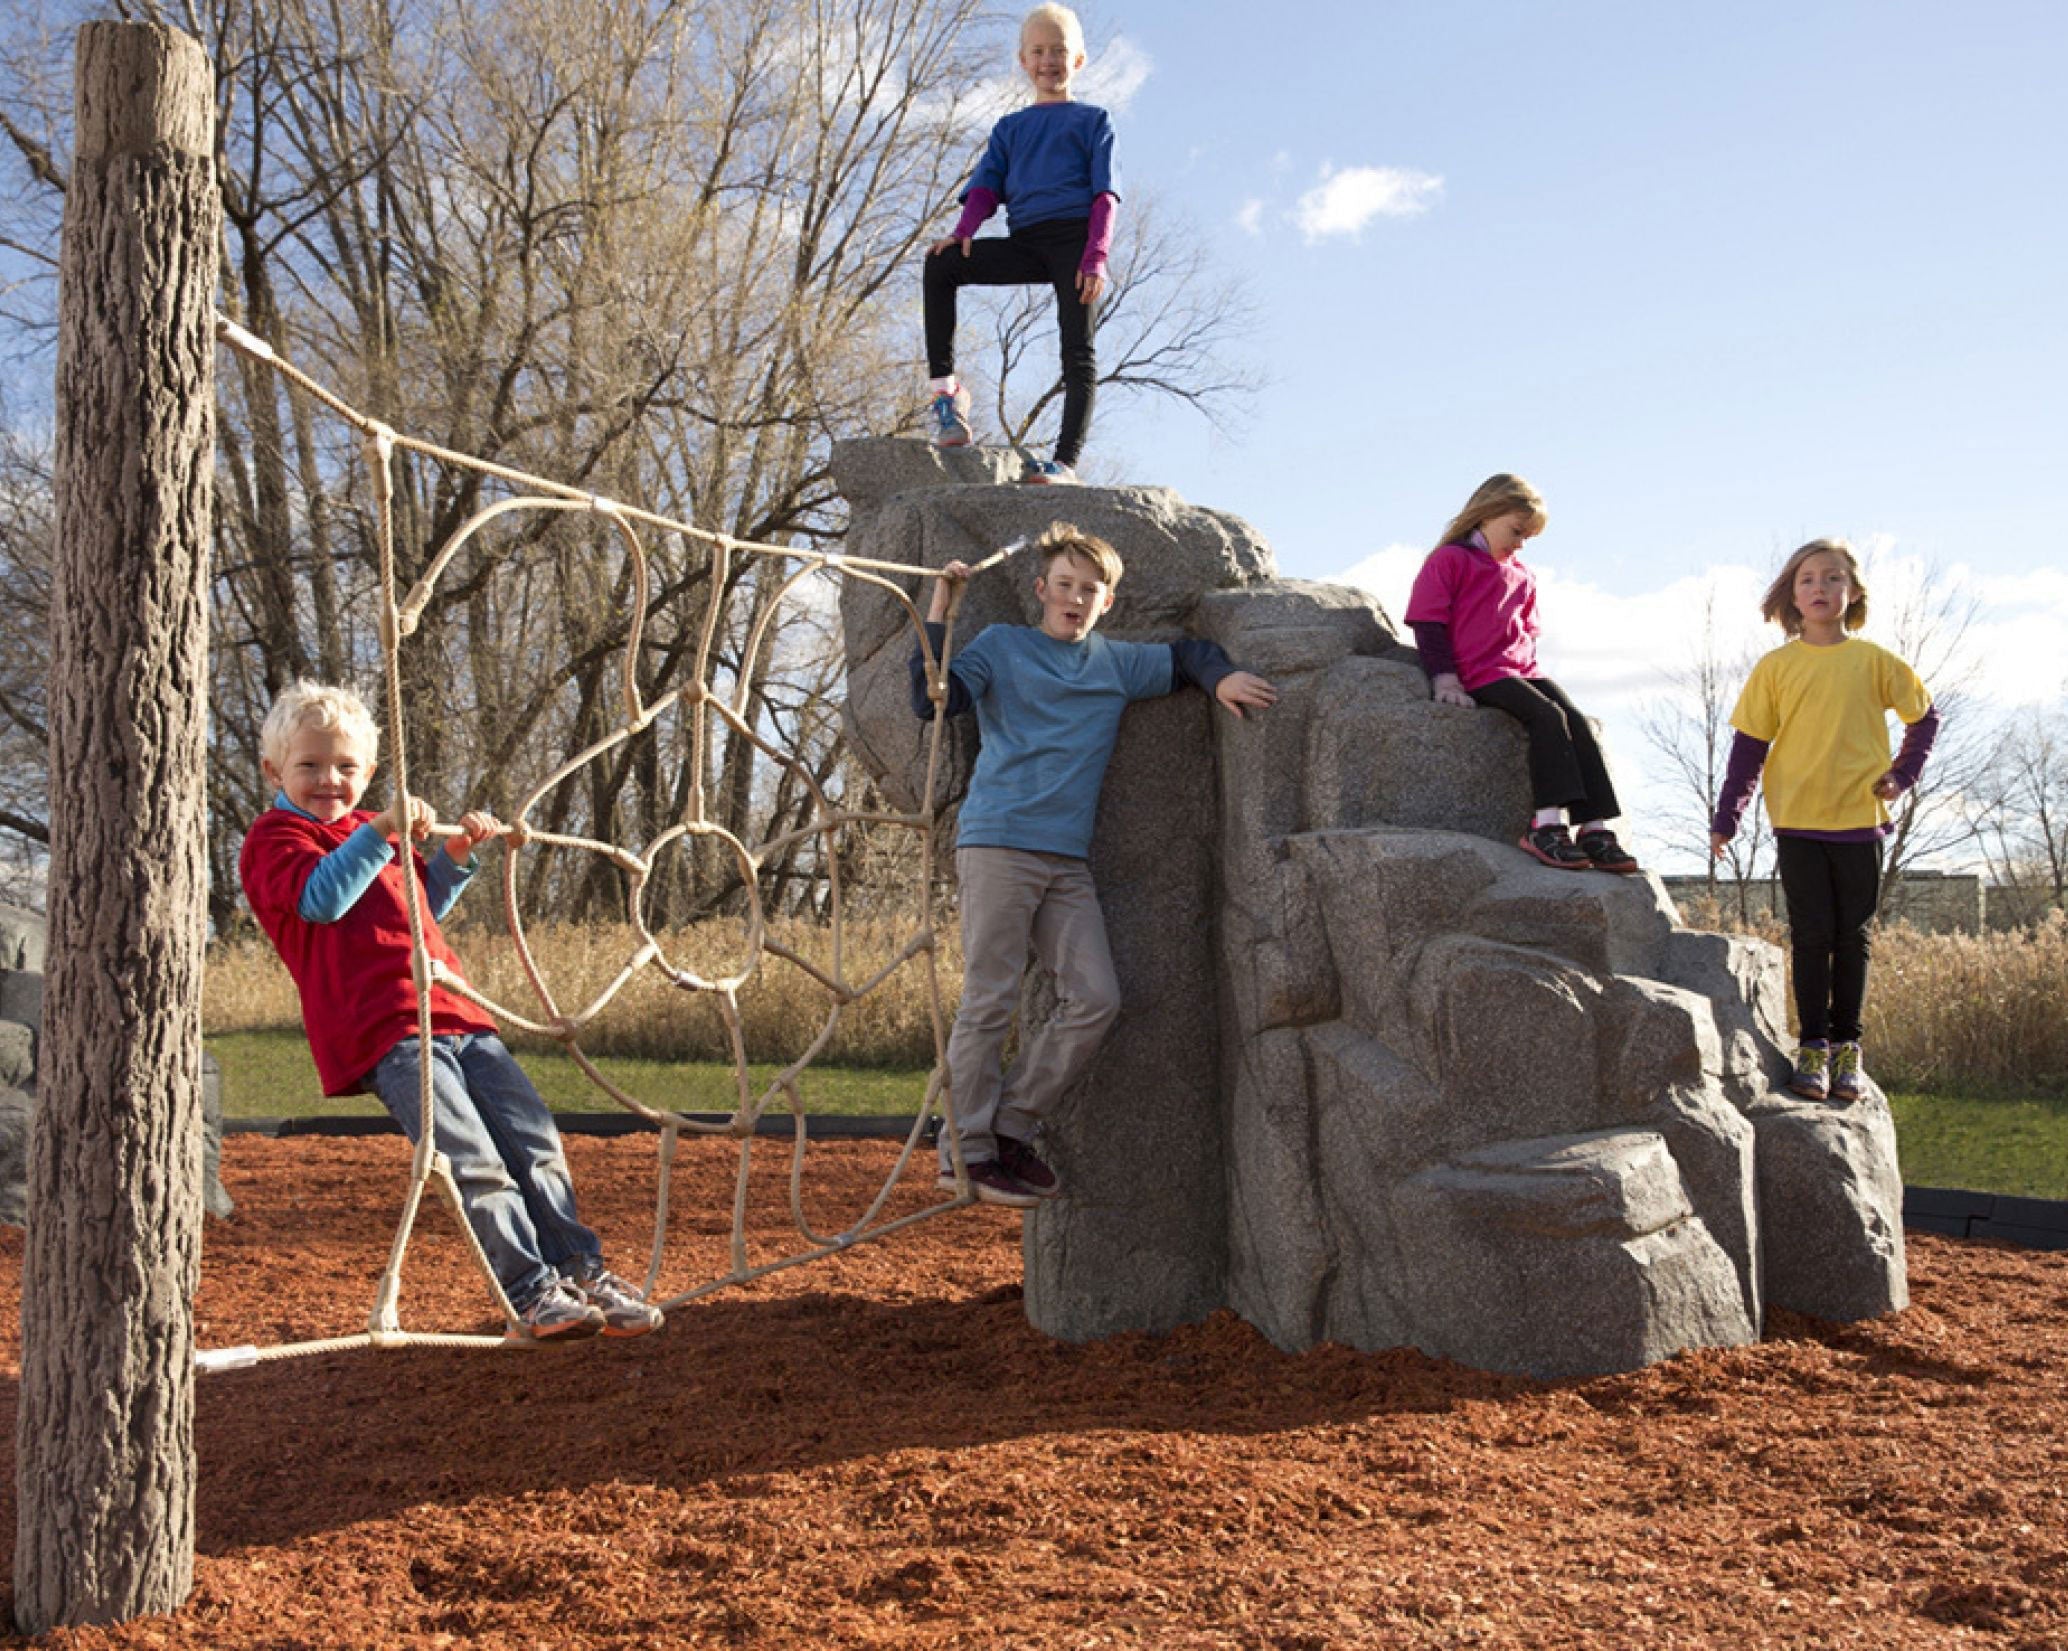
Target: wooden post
104	1432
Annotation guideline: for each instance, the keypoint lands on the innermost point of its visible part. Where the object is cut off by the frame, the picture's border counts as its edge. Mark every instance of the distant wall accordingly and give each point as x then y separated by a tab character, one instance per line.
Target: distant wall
1939	902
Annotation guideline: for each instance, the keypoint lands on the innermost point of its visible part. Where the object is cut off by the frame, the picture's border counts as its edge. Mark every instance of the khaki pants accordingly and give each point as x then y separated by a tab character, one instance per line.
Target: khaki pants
1013	899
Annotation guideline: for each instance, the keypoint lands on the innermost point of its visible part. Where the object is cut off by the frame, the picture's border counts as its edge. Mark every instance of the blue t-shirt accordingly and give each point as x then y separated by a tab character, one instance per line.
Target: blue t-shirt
1049	160
1048	713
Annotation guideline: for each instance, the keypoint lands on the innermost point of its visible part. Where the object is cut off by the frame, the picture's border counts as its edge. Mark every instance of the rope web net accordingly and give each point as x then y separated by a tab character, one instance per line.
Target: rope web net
697	700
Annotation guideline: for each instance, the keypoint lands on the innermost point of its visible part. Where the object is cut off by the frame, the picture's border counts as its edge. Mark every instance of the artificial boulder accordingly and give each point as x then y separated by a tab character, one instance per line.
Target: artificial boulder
1379	1077
22	951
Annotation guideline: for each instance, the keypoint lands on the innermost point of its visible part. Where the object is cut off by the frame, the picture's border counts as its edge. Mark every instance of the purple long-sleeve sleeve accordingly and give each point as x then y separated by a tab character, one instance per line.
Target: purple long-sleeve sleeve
1918	740
1740	779
1432	642
977	207
1098	236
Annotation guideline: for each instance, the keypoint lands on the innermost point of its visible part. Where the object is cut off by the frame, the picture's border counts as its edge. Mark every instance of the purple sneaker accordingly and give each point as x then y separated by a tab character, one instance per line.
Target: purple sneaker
991	1185
1811	1078
1027	1167
1848	1078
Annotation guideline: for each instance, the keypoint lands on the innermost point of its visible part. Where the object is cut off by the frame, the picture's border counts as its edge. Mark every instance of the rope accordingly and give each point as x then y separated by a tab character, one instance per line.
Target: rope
399	616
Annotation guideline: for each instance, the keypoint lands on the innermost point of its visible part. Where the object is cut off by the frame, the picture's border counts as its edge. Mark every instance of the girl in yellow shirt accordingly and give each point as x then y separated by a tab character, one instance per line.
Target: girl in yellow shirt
1814	715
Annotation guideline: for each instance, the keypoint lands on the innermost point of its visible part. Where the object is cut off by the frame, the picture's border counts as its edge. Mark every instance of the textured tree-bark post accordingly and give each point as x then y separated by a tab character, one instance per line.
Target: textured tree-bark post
105	1439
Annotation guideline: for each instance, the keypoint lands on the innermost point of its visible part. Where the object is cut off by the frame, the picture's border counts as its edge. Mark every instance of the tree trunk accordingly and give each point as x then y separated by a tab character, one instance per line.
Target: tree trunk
105	1527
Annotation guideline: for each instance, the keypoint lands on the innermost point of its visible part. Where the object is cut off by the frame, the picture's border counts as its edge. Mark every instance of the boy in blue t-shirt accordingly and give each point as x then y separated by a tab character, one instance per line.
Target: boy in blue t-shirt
1048	702
1050	165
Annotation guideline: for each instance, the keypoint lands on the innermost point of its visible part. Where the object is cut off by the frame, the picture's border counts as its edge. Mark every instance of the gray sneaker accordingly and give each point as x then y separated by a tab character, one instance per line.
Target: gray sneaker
626	1312
556	1313
950	419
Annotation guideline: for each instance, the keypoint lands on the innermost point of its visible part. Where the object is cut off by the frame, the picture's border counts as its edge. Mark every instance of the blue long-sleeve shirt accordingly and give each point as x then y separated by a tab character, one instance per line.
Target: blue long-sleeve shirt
348	871
1049	713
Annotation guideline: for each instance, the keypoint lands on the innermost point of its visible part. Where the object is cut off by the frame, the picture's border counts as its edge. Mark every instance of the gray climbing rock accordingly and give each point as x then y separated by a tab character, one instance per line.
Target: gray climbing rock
1380	1078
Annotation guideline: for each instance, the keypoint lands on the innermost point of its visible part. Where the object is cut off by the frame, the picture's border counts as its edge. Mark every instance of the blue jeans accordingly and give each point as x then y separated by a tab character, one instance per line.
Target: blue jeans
505	1154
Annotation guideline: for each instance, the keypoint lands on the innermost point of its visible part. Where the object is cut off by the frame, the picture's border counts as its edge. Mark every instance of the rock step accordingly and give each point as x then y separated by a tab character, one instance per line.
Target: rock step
1565	1256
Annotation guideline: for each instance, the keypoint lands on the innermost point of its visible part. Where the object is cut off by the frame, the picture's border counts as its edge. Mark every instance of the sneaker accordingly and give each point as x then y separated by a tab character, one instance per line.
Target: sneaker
1811	1077
556	1313
1848	1079
1604	853
951	419
1043	472
1553	845
1027	1167
626	1312
992	1185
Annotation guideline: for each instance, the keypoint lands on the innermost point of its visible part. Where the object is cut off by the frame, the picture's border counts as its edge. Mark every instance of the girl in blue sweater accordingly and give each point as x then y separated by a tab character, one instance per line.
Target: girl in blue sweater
1051	166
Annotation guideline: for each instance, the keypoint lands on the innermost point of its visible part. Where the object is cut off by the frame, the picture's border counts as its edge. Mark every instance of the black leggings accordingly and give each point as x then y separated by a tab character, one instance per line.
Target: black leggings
1832	890
1041	254
1565	765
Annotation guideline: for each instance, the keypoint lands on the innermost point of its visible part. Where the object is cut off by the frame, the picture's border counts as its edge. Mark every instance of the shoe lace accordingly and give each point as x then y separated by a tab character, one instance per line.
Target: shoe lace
1811	1058
1845	1061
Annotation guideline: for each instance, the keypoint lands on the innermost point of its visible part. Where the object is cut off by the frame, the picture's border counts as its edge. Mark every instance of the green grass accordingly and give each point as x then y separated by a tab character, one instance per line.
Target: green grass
1977	1143
270	1075
1984	1144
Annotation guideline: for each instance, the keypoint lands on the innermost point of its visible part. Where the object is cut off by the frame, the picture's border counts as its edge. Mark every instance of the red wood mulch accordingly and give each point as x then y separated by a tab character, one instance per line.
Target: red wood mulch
878	1451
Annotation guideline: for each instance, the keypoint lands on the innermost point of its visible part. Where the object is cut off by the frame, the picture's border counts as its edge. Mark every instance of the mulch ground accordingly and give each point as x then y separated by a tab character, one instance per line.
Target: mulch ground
876	1450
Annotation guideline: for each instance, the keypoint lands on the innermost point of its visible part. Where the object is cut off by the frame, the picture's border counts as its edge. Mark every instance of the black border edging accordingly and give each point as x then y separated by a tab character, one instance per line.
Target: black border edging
817	1126
2031	1223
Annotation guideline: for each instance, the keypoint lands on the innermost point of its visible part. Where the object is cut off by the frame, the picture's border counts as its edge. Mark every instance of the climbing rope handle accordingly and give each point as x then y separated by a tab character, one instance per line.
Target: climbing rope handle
399	616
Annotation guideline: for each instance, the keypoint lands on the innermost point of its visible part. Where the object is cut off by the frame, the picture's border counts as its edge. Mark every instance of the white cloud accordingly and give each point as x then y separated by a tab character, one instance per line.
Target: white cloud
1346	200
1112	79
1250	218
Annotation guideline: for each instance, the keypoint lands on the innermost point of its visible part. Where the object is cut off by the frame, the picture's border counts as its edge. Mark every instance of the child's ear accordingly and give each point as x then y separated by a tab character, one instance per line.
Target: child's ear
272	774
1106	602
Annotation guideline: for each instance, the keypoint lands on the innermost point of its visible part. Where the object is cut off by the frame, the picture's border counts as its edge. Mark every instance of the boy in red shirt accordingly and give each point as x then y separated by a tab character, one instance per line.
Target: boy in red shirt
326	886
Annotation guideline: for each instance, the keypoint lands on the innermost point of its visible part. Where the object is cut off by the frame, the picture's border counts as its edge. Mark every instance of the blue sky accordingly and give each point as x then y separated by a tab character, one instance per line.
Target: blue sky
1717	279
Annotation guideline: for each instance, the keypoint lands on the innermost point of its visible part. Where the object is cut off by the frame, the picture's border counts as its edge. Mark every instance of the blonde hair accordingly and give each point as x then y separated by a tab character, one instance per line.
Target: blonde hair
316	705
1778	604
1779	601
1063	18
1498	495
1062	539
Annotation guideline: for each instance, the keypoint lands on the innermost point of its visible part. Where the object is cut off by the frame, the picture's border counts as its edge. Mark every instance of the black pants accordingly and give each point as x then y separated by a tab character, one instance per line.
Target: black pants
1565	765
1041	254
1832	890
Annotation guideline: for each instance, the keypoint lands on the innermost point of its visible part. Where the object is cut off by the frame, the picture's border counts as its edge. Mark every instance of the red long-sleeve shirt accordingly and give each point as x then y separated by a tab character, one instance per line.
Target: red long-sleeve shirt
358	1000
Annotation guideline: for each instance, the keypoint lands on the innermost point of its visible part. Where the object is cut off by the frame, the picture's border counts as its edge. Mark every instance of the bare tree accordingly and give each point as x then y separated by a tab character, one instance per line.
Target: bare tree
646	249
1689	731
1170	326
2019	811
1930	622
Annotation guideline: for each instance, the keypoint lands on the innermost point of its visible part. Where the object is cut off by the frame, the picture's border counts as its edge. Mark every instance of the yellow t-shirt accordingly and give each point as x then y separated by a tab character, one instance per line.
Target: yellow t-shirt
1824	713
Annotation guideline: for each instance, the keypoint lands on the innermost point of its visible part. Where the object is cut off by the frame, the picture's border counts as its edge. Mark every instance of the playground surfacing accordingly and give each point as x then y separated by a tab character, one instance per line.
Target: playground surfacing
877	1450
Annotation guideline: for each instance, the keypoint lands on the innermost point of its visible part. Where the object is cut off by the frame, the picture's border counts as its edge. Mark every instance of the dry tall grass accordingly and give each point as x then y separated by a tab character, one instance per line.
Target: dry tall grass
1954	1013
1945	1012
1957	1012
782	1008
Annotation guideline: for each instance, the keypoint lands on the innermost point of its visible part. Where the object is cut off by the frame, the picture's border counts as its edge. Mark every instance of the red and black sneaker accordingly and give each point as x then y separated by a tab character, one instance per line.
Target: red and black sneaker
1027	1167
1604	853
1553	845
